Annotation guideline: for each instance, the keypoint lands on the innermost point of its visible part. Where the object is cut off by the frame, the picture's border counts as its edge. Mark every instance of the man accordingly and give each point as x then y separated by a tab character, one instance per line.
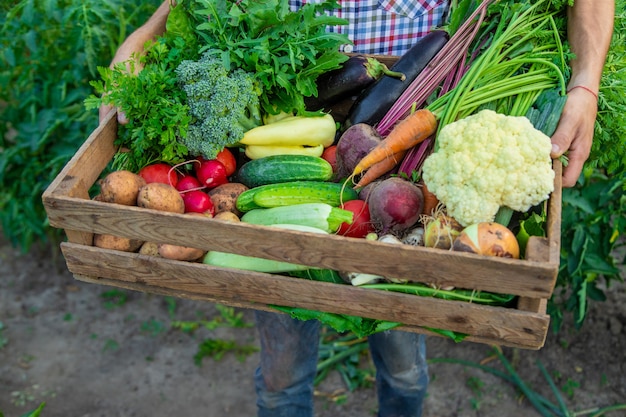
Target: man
284	379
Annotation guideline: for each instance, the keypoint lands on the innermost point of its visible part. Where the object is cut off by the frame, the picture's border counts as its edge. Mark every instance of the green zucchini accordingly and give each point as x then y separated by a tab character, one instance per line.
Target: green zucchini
284	168
251	263
319	215
300	192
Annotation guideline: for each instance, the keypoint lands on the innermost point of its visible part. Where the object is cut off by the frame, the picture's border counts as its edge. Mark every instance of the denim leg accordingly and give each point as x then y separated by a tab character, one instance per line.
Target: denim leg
401	372
284	378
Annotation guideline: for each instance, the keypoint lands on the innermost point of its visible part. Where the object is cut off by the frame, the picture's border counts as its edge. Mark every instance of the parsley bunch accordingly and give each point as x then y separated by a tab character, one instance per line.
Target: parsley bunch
287	50
153	103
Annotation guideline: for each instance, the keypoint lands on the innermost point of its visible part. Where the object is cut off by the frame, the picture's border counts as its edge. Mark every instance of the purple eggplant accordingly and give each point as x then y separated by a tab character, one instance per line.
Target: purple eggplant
356	74
376	100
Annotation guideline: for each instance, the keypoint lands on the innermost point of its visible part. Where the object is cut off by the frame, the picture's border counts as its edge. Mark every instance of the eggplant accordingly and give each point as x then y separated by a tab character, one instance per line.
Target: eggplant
376	100
356	73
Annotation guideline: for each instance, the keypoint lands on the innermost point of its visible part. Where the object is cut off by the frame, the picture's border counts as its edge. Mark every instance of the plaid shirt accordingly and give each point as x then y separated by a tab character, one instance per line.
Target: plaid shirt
385	27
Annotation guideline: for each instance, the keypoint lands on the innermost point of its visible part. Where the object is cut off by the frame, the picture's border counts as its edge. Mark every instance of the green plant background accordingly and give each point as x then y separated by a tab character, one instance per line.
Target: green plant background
50	50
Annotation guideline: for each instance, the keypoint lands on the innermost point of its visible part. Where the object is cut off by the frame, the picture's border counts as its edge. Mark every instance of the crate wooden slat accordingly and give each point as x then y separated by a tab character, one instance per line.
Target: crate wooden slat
68	207
252	289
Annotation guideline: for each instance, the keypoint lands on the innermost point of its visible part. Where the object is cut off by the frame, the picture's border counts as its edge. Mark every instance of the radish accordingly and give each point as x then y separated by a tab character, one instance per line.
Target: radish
395	205
211	173
197	201
159	172
188	182
361	223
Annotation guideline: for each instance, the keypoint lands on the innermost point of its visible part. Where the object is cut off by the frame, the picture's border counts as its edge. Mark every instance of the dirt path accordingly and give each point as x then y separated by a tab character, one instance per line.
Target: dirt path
62	343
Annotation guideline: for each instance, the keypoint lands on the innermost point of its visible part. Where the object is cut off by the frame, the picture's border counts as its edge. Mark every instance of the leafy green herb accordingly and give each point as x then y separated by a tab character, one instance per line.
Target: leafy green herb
287	50
153	103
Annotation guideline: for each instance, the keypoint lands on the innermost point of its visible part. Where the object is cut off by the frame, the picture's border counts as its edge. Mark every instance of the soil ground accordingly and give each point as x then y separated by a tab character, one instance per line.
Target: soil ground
63	344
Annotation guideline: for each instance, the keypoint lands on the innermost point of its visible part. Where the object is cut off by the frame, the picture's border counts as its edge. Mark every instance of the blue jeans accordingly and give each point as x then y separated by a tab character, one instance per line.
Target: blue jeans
284	378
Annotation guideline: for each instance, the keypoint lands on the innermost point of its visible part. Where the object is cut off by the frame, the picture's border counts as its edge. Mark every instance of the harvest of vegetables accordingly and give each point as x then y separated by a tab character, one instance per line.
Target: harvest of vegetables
463	140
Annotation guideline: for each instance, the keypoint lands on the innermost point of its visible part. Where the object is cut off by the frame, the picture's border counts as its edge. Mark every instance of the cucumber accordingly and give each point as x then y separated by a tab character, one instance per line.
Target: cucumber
284	168
299	192
295	192
245	201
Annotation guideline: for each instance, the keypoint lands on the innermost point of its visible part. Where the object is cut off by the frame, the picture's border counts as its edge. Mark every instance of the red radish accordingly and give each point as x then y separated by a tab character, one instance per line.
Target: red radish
188	182
227	158
197	201
211	173
159	172
330	155
395	205
361	223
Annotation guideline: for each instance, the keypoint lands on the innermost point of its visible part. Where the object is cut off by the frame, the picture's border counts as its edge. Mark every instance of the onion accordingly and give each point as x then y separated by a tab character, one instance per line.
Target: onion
487	238
441	231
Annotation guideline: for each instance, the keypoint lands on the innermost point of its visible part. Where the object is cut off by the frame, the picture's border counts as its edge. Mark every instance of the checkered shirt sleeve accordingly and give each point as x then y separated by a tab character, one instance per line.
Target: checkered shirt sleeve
385	27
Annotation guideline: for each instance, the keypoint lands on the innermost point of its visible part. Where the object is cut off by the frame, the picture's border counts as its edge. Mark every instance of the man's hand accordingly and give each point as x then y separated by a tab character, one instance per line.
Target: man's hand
574	133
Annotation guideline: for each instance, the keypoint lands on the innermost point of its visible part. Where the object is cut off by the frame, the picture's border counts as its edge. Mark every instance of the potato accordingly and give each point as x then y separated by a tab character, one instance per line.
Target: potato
149	248
228	216
179	253
121	187
224	197
106	241
162	197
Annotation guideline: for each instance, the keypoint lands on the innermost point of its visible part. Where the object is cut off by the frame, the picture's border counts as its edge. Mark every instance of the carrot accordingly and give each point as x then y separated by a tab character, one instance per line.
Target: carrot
412	130
380	168
430	200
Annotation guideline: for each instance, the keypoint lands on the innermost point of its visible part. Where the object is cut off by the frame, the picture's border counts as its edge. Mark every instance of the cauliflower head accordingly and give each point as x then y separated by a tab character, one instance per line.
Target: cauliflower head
488	160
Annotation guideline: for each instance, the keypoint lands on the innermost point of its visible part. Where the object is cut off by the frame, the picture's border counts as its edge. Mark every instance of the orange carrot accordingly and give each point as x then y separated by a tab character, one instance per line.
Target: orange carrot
380	168
412	130
430	200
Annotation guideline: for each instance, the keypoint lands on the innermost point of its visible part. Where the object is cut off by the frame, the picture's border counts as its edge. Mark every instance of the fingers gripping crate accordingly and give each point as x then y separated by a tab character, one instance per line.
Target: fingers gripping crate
69	207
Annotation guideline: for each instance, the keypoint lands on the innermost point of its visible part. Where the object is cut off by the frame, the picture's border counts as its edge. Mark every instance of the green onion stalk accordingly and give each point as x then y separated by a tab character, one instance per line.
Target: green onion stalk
524	58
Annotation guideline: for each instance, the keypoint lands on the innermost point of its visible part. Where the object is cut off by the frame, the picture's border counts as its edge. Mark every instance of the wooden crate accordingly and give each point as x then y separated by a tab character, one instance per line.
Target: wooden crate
69	207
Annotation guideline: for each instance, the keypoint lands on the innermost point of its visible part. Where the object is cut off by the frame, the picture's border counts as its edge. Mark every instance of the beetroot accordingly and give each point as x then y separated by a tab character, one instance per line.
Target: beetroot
395	205
356	142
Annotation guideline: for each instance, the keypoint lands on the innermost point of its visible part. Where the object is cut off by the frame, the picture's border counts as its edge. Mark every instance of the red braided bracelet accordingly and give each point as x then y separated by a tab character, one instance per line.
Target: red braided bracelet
584	88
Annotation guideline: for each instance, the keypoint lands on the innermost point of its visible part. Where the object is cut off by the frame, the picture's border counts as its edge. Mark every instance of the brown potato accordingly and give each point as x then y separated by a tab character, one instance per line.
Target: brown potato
149	248
162	197
179	253
224	197
121	187
228	216
116	243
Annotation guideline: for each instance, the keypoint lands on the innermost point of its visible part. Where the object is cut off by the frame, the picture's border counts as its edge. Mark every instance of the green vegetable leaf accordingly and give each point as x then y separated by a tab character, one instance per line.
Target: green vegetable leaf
287	50
340	322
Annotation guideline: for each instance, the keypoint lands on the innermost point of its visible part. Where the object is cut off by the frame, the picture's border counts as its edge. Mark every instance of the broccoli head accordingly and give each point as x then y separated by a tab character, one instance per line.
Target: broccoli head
223	104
